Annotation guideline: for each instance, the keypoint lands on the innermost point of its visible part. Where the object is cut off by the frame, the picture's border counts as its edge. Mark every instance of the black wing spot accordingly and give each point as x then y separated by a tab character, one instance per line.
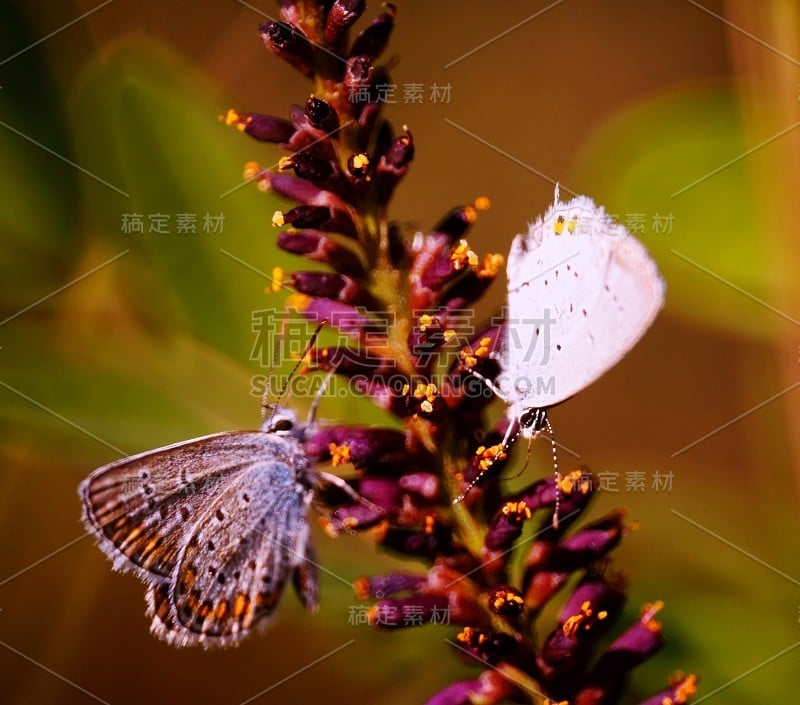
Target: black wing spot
246	497
558	347
220	515
185	514
584	313
221	578
210	546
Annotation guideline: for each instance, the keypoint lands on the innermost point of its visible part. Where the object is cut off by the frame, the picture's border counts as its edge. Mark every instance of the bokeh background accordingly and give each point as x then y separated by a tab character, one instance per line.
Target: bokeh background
680	116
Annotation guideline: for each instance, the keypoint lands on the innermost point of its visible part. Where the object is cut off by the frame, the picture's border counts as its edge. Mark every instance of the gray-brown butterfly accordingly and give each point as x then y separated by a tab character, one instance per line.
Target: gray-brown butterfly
214	526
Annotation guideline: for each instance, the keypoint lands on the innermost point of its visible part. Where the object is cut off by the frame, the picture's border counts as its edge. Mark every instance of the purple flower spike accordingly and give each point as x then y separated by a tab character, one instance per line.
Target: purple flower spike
404	305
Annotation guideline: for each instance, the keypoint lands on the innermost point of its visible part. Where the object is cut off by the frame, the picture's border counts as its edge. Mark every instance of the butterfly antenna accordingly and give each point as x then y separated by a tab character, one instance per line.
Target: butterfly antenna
285	389
312	412
556	475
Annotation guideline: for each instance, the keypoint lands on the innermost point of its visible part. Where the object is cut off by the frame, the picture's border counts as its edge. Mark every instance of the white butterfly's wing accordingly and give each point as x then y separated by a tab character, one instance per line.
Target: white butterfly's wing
581	292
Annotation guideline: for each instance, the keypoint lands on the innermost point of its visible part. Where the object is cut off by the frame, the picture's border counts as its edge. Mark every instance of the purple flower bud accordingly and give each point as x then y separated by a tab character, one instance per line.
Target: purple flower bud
342	15
290	44
584	619
366	444
457	222
387	585
413	611
488	646
491	688
264	128
324	218
355	322
357	75
373	40
338	287
321	115
425	543
301	191
393	166
355	517
309	167
549	564
424	484
319	247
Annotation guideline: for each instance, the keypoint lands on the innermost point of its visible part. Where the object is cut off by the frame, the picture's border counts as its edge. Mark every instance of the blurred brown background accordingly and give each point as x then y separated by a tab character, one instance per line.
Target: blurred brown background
666	112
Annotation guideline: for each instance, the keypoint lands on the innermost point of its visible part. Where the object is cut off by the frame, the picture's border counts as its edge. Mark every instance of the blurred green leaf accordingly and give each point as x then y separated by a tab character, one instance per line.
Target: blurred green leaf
667	157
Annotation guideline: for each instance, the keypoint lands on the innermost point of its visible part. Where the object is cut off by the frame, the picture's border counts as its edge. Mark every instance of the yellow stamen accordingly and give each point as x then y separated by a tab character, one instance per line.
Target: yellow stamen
340	454
278	219
558	227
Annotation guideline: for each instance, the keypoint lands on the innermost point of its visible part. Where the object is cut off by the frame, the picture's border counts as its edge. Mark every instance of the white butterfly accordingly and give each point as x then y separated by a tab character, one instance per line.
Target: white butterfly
582	291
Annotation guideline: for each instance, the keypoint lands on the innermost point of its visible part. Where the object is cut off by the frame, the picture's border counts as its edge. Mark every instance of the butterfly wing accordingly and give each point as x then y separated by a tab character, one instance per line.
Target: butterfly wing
581	292
140	508
241	551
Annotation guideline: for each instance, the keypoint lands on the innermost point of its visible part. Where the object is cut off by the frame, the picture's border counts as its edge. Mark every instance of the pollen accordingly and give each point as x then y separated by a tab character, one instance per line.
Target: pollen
430	524
232	117
340	454
463	256
277	279
426	406
425	321
506	601
361	588
482	203
575	481
277	219
285	163
558	227
406	389
359	164
572	223
471	636
490	266
449	334
489	456
686	689
251	170
516	512
297	301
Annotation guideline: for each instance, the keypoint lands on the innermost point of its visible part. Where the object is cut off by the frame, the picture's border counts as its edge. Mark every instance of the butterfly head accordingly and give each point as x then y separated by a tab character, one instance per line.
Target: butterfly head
282	421
532	422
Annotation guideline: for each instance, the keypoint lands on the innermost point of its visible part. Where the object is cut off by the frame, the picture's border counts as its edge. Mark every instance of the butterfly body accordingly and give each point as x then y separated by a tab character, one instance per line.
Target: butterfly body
215	526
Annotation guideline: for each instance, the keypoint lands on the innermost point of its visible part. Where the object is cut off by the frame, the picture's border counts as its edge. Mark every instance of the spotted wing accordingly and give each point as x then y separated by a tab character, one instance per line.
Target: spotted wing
143	508
242	550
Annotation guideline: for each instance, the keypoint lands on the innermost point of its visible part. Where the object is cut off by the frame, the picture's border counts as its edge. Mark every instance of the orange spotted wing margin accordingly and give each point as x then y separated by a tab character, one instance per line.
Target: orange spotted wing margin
215	525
